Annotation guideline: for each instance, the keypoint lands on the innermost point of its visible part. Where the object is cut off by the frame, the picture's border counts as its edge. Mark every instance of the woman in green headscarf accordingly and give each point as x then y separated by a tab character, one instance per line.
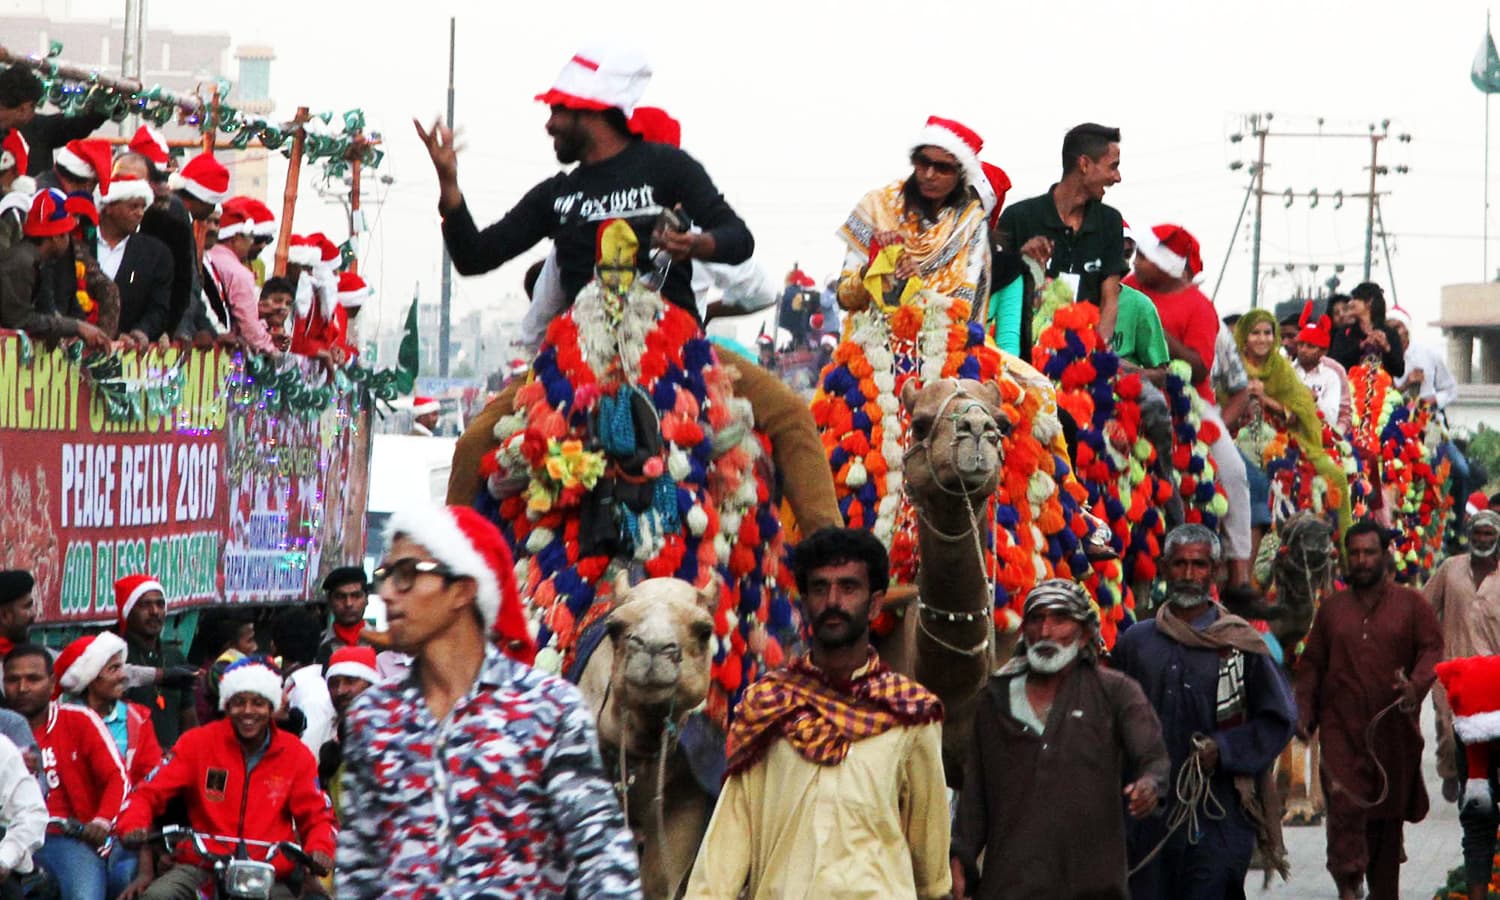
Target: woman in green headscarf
1285	404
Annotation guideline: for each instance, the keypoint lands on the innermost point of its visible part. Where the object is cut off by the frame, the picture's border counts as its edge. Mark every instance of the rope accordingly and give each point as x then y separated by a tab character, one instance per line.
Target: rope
1194	788
1385	780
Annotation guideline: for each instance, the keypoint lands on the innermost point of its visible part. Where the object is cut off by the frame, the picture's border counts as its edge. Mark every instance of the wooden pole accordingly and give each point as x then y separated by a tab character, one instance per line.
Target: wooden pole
211	117
356	149
289	196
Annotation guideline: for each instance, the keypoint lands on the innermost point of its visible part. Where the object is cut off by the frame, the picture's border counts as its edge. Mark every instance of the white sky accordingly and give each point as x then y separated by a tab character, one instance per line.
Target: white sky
797	108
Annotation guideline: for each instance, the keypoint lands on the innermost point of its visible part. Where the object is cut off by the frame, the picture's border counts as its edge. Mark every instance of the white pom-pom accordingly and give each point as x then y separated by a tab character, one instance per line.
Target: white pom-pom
678	465
893	482
885	382
548	660
888	403
857	475
538	539
729	522
697	520
721	548
1040	487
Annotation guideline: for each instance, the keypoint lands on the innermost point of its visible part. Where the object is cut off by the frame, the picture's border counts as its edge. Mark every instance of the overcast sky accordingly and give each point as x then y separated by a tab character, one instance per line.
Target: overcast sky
798	108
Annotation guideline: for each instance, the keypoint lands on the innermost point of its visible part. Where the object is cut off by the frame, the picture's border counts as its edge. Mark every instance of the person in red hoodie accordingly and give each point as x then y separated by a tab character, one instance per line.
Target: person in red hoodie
241	778
85	780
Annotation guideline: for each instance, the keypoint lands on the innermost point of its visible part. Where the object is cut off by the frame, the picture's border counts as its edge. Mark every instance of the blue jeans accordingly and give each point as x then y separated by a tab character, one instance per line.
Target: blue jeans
1260	493
80	873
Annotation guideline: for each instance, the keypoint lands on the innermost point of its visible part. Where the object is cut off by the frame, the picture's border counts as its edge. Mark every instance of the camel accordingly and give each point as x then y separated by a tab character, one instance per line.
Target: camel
648	692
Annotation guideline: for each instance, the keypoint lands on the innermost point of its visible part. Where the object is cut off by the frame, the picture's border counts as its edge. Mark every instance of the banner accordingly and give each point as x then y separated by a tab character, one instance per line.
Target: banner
177	464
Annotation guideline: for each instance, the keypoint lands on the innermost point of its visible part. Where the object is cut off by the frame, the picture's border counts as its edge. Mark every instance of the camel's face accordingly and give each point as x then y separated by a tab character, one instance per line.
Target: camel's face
1307	542
660	632
956	429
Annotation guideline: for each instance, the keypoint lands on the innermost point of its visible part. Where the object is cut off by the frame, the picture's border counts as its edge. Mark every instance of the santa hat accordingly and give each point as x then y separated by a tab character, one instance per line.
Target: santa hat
251	675
1319	333
86	159
235	220
421	406
126	187
329	254
152	144
964	143
204	177
262	216
1173	249
353	662
1397	314
655	126
519	367
80	662
999	184
302	250
1473	687
130	589
1477	502
601	77
470	546
352	290
14	152
1126	232
48	215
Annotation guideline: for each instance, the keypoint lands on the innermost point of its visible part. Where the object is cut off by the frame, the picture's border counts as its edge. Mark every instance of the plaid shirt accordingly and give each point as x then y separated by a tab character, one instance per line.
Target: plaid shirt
505	797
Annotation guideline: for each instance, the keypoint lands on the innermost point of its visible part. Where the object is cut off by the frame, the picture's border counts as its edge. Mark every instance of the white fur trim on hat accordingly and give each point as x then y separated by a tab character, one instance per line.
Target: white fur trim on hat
434	528
1478	728
1147	244
266	228
422	409
352	670
140	591
176	182
74	163
122	189
104	647
605	75
303	255
943	139
238	228
250	678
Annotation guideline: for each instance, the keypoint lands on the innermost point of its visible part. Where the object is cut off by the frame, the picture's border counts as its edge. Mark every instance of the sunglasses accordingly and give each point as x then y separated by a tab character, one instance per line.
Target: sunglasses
923	161
402	573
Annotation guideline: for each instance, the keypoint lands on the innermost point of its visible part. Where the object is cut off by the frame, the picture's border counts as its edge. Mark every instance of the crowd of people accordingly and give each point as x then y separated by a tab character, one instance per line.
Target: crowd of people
130	246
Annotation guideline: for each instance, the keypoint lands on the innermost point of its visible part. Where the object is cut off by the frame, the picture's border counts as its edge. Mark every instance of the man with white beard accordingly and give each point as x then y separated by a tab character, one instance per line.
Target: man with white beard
1226	710
1055	735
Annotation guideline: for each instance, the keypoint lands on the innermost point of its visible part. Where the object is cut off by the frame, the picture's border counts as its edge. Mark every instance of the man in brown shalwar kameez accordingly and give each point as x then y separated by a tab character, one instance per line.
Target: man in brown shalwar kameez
1370	654
1054	736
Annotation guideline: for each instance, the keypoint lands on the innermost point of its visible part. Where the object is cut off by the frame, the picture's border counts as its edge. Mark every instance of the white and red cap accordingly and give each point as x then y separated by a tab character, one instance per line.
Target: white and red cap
15	153
353	662
964	143
1173	249
1473	687
251	675
204	177
329	255
601	77
152	144
470	546
126	187
129	591
1397	314
999	185
87	158
235	219
353	291
263	217
80	662
421	406
302	250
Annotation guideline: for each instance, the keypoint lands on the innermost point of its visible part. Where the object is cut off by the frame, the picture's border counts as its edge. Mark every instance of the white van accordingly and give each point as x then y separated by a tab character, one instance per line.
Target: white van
405	470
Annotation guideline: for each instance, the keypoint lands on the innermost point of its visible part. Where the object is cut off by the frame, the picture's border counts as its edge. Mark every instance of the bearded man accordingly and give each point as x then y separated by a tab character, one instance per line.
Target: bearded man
1225	709
1360	683
1054	735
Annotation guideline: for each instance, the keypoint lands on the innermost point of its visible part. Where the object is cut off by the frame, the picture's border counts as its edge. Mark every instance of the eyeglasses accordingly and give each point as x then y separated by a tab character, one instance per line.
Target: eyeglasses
403	572
923	161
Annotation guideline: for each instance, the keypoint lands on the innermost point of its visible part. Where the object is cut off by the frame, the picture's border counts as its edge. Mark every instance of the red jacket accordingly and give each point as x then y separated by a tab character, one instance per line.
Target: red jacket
86	778
143	751
278	800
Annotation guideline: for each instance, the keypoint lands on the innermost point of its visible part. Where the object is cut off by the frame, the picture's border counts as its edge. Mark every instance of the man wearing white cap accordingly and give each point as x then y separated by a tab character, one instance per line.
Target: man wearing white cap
140	265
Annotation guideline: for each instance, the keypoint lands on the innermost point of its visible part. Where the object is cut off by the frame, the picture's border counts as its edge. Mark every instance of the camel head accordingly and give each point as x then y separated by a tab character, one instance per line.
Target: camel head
660	630
956	429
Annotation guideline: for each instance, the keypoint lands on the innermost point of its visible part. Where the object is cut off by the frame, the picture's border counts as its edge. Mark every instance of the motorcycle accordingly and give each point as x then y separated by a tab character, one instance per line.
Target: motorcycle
236	875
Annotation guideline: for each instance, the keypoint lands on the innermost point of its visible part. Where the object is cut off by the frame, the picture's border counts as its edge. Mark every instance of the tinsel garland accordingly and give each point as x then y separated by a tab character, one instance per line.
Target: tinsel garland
718	521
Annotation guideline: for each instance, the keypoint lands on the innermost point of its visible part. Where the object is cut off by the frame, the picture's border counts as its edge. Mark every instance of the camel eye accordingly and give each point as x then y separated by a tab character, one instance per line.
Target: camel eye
702	631
921	427
615	628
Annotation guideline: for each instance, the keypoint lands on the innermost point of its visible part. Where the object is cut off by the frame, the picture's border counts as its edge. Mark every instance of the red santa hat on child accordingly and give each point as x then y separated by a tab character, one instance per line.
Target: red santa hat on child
204	177
86	159
15	153
353	291
421	406
466	542
964	143
1319	333
601	77
129	591
353	662
126	187
1173	249
80	662
235	219
251	675
152	144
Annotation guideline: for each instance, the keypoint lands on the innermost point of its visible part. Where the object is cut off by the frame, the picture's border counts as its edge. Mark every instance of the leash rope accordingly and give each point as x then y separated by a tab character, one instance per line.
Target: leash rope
1193	789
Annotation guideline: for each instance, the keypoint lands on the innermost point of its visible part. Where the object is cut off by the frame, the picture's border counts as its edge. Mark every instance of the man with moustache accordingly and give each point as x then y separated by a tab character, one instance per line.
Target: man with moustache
159	677
832	737
1360	683
1054	736
1225	709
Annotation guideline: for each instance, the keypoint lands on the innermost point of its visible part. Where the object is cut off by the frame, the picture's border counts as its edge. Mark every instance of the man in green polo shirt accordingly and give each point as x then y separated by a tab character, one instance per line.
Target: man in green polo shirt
1070	231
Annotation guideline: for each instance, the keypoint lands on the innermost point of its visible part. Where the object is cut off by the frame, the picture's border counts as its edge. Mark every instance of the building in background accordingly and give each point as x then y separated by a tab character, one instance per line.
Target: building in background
1470	320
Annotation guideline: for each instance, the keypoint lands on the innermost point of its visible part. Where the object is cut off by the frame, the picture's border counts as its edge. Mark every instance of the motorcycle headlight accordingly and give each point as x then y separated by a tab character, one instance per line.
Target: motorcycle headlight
246	878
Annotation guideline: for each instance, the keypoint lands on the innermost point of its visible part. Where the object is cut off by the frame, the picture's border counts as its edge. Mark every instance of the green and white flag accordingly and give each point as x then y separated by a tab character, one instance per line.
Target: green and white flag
1486	71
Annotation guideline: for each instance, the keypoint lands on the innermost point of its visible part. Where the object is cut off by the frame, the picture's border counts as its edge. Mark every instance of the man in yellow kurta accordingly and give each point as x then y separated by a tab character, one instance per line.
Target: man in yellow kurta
835	786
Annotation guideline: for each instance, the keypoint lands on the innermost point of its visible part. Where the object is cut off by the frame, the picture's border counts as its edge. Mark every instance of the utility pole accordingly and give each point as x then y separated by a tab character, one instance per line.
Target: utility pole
1375	139
445	311
1260	193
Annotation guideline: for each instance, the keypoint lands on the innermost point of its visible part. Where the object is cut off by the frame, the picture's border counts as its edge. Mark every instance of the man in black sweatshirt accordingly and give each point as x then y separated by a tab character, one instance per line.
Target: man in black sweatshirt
660	191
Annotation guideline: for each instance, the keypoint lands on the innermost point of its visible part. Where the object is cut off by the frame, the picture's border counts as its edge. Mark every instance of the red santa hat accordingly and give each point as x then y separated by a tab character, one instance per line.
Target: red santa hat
1319	333
1126	232
421	406
80	662
15	153
86	159
964	143
353	662
1473	687
126	187
329	254
251	675
48	215
263	218
130	589
655	126
601	77
1000	185
235	219
302	250
152	144
1173	249
470	546
1477	502
1397	314
353	291
204	177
